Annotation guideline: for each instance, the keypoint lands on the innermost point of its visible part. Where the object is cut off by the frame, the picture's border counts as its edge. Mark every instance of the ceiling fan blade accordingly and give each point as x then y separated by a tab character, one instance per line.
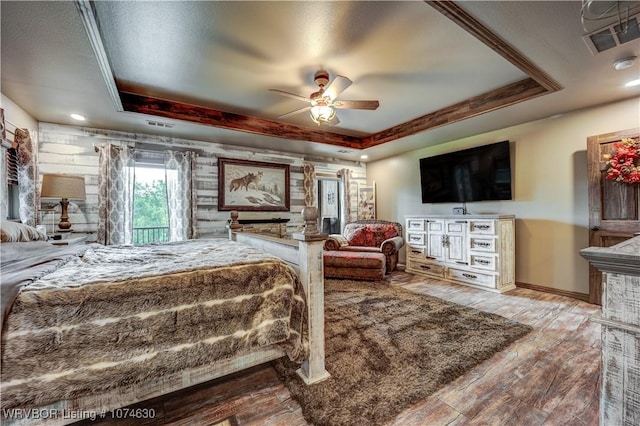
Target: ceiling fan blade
356	104
291	95
298	111
337	86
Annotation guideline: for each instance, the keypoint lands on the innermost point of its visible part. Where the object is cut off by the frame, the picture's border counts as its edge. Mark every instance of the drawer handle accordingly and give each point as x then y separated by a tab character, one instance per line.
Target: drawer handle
429	257
460	221
479	244
416	252
461	263
483	261
470	276
483	227
425	267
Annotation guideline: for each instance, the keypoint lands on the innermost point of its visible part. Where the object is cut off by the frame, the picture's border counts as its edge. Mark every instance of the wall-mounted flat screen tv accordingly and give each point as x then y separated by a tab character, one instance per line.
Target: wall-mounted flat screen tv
476	174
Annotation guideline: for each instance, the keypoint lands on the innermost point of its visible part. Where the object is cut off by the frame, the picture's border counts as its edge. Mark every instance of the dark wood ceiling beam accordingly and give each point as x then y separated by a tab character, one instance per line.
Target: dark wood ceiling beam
464	20
133	102
504	96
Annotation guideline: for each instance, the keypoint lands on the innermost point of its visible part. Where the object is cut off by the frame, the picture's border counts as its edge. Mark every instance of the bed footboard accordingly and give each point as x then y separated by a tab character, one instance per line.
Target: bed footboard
304	253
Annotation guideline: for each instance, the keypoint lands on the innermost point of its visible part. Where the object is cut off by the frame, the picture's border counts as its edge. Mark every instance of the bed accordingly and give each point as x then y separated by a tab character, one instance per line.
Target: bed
89	329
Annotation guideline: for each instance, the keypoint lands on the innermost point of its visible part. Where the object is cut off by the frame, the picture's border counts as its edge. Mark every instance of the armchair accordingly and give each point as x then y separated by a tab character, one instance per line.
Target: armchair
377	236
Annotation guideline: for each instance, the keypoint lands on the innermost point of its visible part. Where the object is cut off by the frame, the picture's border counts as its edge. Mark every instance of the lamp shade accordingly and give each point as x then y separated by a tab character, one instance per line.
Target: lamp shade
63	186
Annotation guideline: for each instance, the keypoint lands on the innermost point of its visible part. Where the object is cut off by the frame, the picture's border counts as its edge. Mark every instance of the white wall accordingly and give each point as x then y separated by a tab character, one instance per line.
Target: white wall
549	168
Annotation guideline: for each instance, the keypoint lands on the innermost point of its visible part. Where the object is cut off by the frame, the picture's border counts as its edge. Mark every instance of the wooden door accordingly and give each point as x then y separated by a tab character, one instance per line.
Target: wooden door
456	242
613	206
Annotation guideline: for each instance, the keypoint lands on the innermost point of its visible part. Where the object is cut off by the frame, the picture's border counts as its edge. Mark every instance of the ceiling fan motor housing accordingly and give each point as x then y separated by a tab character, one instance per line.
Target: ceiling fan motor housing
321	78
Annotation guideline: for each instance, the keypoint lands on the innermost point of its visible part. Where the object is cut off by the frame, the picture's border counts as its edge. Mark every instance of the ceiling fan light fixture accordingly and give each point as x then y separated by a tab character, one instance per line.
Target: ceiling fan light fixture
322	114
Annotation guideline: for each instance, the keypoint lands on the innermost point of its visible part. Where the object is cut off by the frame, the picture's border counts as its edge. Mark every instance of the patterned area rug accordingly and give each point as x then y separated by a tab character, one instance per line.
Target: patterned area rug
387	348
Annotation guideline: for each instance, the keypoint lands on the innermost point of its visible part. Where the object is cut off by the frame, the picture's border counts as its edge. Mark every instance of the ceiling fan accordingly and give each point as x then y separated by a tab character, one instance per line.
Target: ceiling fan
323	102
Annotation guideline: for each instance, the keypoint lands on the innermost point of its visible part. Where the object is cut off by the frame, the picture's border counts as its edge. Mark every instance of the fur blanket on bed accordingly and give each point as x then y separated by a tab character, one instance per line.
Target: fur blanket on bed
123	315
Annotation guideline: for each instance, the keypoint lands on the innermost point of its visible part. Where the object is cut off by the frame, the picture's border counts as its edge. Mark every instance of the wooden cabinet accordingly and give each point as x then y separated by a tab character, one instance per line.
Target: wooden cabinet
475	250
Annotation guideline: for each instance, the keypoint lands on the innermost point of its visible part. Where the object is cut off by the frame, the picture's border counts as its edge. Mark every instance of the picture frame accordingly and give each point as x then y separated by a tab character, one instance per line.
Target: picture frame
245	185
367	202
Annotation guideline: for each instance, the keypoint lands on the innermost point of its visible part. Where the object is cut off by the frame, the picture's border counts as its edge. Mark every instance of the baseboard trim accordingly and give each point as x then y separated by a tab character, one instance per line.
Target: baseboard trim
574	294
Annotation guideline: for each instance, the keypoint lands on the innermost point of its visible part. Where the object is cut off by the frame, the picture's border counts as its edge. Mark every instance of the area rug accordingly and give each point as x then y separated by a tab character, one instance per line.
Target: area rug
387	347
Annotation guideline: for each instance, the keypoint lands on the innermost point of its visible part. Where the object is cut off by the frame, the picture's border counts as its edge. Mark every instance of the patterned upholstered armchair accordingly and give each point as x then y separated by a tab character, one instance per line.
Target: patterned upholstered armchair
378	236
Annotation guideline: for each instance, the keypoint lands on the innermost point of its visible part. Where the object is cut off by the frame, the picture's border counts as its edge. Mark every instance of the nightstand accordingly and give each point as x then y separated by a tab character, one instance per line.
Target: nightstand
69	241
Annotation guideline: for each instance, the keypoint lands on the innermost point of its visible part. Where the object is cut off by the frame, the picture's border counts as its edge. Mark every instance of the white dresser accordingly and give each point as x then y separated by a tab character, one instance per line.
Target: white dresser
475	250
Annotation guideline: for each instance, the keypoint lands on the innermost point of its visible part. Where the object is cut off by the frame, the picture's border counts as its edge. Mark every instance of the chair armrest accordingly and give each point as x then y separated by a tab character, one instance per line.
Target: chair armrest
391	245
334	242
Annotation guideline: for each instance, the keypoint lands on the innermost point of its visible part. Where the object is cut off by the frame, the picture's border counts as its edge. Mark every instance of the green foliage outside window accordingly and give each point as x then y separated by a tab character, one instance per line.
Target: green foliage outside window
150	211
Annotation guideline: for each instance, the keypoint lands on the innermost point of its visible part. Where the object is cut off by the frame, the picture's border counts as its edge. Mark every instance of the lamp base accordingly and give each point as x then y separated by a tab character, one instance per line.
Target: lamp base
64	225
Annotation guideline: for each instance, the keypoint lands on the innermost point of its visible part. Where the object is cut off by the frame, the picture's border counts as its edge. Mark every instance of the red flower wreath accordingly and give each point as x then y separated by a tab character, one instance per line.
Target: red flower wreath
623	163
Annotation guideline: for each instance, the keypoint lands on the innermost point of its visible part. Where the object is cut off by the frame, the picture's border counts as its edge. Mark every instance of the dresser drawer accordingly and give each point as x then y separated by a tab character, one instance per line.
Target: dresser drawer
482	244
428	268
414	239
415	224
484	262
484	280
415	252
482	227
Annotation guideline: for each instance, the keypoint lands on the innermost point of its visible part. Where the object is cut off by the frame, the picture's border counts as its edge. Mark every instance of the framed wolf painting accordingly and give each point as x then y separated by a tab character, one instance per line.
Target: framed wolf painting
252	186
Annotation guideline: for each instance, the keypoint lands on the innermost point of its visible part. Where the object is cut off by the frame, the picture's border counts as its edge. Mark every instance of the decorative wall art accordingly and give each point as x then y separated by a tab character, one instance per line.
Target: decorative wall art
366	202
252	186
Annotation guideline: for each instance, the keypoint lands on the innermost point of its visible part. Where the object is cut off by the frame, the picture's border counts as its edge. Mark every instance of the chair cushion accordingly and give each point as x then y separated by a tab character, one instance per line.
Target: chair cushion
349	259
359	235
361	249
370	234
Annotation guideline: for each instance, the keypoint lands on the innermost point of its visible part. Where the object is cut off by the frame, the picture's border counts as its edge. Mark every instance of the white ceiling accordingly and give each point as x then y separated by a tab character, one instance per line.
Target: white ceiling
226	55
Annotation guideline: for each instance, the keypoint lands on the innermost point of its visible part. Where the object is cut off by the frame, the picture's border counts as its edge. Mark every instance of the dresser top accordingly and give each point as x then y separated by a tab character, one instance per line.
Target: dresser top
623	258
461	216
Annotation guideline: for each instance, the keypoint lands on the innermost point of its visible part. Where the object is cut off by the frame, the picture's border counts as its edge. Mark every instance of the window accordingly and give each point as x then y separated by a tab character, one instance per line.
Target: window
13	193
150	206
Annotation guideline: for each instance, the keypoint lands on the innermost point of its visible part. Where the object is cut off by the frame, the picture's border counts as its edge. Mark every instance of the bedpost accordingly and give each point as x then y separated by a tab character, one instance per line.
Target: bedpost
234	225
310	245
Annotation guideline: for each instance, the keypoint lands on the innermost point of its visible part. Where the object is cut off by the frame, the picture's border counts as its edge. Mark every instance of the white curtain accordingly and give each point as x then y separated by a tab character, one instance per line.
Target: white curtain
27	176
181	201
115	194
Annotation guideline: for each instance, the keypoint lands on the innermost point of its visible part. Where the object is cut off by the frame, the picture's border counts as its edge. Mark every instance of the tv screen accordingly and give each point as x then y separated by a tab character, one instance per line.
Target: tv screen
477	174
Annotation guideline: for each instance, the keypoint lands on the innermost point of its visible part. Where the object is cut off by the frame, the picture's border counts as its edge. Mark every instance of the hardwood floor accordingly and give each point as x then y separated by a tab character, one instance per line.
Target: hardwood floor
549	377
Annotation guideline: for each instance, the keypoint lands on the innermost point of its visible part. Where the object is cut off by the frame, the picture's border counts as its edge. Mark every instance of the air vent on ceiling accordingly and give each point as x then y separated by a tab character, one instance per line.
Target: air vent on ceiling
160	124
613	35
344	151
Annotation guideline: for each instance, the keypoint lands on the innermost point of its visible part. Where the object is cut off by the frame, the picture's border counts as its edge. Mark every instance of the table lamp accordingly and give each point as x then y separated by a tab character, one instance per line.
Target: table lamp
65	187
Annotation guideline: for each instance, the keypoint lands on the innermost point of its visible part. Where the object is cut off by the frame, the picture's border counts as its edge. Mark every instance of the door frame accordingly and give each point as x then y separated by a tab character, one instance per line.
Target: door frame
595	167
